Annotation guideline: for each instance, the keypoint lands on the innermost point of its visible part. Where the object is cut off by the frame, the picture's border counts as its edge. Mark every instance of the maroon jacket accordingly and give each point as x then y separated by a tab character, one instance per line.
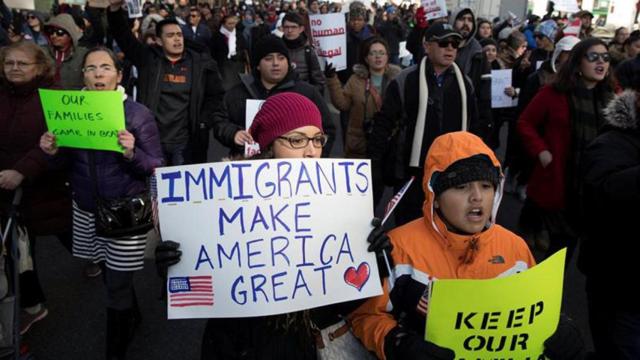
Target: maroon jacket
46	201
545	124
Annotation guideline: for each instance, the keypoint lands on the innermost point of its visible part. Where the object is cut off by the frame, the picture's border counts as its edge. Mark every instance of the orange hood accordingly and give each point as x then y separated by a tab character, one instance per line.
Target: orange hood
445	150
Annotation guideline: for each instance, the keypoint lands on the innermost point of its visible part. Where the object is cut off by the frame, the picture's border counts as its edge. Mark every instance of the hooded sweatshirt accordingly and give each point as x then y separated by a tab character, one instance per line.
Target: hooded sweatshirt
68	62
424	250
470	45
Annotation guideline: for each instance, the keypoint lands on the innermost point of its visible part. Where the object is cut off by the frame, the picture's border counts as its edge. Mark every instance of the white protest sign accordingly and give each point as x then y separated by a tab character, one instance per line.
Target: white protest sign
570	6
267	237
330	39
251	109
134	9
435	9
501	79
20	4
403	50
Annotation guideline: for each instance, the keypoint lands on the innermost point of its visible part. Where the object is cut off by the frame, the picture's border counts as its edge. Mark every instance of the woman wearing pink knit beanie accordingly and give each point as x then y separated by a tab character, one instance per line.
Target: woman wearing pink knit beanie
288	125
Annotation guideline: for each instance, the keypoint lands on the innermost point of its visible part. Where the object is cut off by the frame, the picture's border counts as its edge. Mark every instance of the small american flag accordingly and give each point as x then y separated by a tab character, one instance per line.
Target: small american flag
191	291
396	199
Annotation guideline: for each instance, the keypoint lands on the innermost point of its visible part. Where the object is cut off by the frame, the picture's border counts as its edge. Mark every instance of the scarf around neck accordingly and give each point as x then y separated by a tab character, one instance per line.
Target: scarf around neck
231	40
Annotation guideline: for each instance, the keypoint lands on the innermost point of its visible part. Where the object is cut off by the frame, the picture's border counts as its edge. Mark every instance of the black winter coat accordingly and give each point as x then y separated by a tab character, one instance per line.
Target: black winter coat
206	88
611	175
46	199
443	116
232	117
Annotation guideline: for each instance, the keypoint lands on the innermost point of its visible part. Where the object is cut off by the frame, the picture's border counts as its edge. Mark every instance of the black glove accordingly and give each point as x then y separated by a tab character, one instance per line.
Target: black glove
401	344
167	254
329	71
566	343
378	239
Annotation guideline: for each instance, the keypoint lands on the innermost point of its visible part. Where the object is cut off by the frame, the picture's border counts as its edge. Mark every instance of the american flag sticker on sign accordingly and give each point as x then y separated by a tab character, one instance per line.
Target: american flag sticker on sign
191	291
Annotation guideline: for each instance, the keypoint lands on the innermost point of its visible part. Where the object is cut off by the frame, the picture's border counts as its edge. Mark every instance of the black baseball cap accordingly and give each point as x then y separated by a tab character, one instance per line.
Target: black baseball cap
440	31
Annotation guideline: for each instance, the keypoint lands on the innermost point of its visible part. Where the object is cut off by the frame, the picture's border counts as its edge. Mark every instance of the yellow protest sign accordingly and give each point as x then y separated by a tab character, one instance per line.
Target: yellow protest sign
510	317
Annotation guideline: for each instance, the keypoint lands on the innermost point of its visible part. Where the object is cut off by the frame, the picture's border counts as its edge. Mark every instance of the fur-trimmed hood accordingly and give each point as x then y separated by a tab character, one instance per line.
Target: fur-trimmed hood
622	111
391	72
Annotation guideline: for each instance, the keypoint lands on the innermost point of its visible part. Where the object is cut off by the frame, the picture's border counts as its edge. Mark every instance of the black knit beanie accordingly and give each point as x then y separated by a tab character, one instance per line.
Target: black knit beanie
474	168
267	45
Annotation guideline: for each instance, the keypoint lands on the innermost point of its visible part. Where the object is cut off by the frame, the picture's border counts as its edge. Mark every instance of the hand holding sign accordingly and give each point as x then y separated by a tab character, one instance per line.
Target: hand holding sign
48	143
128	143
241	137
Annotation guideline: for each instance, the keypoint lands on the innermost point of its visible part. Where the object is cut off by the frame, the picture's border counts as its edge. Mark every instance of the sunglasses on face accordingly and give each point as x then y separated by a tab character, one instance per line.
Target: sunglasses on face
57	32
594	56
31	17
445	43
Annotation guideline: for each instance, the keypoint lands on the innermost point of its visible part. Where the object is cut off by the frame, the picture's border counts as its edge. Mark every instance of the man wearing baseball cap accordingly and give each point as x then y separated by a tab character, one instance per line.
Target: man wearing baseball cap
445	102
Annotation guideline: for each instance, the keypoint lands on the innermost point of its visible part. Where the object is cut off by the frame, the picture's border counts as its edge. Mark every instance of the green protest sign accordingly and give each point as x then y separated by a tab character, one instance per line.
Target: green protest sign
84	119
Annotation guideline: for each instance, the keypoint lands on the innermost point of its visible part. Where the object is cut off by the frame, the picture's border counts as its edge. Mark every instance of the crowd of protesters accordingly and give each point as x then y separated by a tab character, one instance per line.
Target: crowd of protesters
186	70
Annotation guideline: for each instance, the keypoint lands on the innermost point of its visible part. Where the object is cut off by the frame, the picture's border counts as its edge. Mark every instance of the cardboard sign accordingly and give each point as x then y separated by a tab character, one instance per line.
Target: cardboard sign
84	119
20	4
267	237
501	79
251	109
570	6
330	39
435	9
510	316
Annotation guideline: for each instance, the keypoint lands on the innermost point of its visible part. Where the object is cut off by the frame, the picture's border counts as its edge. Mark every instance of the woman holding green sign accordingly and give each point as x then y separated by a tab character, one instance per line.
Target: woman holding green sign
105	185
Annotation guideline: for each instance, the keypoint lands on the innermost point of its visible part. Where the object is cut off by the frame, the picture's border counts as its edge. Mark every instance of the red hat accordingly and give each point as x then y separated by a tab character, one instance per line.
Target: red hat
282	113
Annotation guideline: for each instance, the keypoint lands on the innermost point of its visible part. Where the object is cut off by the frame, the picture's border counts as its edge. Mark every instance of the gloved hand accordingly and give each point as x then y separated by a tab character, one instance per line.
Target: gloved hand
329	71
566	343
401	344
378	239
167	254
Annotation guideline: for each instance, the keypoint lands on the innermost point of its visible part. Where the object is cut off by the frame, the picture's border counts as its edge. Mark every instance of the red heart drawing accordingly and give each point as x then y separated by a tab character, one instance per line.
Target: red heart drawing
357	278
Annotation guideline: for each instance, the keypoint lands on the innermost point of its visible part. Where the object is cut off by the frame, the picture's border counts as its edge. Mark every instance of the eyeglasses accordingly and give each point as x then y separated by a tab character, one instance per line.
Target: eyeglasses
301	142
445	43
594	56
194	15
377	53
57	32
92	68
31	17
10	64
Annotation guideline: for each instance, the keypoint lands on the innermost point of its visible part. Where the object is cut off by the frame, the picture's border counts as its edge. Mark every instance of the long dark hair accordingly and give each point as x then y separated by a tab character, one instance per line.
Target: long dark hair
569	75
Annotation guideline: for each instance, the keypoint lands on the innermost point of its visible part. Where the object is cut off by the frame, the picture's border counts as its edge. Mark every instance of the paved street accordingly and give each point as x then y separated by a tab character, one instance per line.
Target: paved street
74	328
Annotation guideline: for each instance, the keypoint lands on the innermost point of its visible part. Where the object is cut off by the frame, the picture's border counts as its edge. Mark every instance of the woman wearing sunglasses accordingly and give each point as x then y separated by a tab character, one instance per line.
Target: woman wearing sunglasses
33	29
555	128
